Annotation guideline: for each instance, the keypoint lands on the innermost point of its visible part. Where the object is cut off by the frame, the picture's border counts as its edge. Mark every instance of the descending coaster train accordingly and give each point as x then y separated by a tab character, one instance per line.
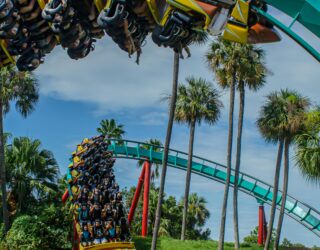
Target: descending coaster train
30	29
100	220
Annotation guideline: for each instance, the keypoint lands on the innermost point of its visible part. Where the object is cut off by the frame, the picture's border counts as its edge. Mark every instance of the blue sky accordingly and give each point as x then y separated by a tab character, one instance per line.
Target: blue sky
76	95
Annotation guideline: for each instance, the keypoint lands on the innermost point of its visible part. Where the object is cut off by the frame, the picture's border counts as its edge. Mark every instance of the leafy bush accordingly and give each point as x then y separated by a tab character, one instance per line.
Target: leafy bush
50	230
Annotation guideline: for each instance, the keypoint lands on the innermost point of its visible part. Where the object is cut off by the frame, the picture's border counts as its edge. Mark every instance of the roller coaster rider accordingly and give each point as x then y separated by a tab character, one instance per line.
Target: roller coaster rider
74	36
30	59
128	23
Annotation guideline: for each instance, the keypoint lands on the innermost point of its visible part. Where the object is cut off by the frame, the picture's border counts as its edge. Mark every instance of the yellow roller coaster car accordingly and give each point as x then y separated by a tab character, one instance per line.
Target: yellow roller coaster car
180	20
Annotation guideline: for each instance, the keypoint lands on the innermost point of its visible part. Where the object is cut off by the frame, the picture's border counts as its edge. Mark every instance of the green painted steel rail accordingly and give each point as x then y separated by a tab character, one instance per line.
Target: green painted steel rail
262	191
287	30
306	12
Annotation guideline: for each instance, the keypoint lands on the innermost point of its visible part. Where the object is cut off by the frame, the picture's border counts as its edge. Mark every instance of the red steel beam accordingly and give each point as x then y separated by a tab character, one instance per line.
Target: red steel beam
147	166
136	196
261	227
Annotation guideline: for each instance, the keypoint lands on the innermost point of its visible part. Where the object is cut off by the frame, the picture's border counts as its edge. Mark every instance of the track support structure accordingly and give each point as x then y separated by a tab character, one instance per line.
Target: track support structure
136	196
146	190
144	181
262	227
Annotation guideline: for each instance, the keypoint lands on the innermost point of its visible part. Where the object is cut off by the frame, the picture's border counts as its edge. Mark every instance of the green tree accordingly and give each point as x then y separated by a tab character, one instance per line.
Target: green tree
251	74
32	173
307	153
281	119
111	129
223	58
49	229
286	243
252	238
197	216
197	101
21	88
171	218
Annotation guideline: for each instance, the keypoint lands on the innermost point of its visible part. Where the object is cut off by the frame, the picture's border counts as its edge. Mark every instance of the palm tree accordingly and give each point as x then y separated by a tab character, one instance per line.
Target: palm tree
32	171
111	129
252	74
281	119
197	209
199	38
172	108
223	58
196	102
154	145
307	153
21	88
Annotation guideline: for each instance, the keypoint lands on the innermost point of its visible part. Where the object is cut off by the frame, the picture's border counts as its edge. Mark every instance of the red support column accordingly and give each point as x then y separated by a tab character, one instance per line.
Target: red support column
147	166
136	196
261	227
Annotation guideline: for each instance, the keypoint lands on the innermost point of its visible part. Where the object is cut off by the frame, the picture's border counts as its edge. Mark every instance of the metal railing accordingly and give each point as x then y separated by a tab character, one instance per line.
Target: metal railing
262	191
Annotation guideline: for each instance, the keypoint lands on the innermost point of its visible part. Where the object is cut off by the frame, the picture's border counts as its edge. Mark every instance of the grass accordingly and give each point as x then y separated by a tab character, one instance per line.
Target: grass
173	244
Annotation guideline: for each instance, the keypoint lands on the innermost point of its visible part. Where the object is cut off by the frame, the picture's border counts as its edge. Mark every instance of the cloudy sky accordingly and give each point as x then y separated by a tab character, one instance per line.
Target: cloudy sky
76	95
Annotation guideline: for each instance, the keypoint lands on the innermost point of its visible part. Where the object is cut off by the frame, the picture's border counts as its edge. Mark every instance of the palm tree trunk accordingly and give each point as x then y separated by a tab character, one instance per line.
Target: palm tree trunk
188	180
166	148
229	155
275	195
237	168
284	193
3	170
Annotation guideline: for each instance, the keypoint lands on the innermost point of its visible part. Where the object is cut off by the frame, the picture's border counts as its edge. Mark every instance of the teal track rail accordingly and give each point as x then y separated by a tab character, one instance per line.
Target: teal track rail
262	191
306	12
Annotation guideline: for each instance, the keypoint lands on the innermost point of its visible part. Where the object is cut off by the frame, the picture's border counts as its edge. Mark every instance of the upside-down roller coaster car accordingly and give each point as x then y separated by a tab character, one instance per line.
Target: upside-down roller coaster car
30	29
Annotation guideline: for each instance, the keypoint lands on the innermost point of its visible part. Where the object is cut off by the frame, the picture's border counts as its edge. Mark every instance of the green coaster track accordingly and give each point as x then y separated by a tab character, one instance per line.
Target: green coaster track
306	12
306	215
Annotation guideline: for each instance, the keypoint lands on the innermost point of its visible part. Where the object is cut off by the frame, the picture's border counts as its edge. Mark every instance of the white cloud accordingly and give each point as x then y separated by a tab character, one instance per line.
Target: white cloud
107	77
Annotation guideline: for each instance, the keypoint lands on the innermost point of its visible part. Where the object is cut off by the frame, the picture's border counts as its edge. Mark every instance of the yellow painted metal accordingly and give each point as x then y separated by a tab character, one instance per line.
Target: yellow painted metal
110	246
108	4
152	4
75	190
76	159
99	4
241	11
11	59
42	3
235	33
166	15
75	173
